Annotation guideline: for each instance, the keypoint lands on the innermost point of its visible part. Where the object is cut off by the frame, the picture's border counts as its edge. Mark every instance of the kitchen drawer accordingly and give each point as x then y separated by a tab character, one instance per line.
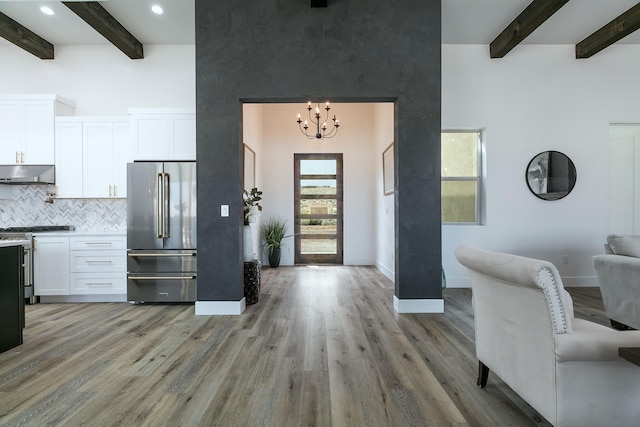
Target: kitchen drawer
98	283
92	243
98	261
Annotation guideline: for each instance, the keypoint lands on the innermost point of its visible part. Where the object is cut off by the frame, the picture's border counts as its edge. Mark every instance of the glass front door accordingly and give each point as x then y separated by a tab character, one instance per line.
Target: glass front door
318	208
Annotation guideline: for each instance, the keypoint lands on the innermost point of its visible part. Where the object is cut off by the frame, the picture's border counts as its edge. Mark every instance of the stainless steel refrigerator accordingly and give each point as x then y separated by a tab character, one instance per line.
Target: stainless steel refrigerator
161	232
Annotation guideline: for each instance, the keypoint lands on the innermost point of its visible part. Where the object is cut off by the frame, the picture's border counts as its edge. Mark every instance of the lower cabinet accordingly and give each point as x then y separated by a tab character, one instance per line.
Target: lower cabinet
80	265
51	265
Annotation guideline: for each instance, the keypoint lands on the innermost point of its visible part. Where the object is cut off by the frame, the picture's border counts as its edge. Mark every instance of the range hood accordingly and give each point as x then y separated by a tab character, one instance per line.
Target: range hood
27	174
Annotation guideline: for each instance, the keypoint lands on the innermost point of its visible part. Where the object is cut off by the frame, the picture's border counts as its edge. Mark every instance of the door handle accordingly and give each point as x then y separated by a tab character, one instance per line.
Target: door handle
134	255
159	204
165	208
161	277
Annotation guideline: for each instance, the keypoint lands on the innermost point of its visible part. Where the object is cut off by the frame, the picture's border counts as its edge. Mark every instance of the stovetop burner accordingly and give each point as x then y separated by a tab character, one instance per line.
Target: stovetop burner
37	228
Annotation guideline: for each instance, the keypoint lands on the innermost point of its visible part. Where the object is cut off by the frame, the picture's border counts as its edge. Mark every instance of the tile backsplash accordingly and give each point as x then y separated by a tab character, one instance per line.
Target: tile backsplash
26	206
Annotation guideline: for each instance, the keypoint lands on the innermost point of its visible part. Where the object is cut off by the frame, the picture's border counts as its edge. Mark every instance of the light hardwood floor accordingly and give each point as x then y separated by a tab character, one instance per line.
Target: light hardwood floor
323	347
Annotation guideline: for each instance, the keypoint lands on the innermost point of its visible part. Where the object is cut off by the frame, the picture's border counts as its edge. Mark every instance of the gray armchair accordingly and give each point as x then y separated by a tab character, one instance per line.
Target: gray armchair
568	369
619	277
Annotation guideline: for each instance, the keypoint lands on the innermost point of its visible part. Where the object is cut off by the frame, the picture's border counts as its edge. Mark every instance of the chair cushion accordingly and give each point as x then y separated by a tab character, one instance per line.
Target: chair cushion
624	244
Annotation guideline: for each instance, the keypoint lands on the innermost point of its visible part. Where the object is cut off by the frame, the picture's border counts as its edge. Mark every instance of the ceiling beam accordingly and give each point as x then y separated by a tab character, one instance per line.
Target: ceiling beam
615	30
97	17
531	18
25	38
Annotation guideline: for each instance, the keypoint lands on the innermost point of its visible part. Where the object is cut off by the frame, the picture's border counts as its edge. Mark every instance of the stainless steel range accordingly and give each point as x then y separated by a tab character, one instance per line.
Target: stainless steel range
25	236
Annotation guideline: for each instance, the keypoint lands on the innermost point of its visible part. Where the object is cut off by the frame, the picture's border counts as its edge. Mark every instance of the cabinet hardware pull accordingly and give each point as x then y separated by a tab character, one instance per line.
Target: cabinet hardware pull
17	157
109	191
97	243
115	192
133	255
98	260
98	283
21	157
161	277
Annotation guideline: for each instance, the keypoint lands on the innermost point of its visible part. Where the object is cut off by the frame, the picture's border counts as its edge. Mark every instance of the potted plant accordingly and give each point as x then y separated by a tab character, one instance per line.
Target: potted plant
274	229
251	206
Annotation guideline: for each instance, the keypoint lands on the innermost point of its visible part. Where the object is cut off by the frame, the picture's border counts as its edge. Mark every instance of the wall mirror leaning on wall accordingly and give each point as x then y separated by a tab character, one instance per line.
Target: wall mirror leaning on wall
551	175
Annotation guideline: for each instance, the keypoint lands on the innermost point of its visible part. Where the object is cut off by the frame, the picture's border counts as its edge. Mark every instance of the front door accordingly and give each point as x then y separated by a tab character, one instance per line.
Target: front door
318	208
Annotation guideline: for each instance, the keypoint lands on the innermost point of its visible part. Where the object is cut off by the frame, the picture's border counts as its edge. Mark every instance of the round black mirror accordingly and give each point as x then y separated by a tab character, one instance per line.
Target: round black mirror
551	175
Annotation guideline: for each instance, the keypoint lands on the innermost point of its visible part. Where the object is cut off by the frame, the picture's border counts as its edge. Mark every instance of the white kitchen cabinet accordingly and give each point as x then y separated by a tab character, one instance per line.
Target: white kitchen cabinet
51	265
163	134
27	127
91	157
68	158
105	146
98	264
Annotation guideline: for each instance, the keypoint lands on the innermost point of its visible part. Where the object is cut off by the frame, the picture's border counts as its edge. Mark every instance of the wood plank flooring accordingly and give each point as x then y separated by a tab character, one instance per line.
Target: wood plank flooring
323	347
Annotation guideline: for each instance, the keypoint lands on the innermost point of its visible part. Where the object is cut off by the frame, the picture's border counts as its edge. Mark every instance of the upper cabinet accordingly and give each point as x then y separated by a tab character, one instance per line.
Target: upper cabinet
163	134
27	127
91	157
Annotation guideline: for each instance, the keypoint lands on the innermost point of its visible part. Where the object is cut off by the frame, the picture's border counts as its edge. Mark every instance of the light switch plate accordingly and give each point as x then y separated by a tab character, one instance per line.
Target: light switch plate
224	210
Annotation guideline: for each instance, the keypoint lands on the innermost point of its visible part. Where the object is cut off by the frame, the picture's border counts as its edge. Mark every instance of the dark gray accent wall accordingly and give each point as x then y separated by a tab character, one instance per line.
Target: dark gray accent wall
286	51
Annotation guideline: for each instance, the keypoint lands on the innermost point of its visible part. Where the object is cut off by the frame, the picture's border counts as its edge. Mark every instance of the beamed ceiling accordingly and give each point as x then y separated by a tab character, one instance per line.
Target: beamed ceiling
590	25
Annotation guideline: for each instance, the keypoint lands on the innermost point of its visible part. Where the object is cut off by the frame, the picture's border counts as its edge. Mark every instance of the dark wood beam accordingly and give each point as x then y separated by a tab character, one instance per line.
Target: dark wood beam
531	18
25	38
615	30
102	21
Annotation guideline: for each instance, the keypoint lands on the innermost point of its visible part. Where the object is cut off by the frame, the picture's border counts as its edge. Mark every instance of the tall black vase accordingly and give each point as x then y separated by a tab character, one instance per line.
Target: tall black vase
274	258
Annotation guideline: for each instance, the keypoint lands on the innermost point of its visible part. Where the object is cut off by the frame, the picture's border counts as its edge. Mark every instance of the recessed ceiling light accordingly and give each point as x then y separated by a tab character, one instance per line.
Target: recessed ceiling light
46	10
157	9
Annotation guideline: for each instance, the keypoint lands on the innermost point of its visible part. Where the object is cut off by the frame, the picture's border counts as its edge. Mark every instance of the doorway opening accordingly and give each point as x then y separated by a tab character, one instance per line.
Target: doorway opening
318	208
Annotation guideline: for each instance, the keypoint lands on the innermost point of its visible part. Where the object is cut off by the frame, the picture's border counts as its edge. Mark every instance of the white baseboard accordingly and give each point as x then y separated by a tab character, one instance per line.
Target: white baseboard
220	308
386	272
418	305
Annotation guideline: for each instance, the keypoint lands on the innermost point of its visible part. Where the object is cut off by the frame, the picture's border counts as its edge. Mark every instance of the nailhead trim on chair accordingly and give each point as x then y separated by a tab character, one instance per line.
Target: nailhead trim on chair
548	284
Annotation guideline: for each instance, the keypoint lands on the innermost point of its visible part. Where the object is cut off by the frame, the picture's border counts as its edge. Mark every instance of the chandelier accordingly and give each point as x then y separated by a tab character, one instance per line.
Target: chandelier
321	125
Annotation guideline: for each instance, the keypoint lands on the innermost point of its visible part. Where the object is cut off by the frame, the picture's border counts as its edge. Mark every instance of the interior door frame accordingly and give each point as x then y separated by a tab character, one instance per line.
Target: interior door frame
300	258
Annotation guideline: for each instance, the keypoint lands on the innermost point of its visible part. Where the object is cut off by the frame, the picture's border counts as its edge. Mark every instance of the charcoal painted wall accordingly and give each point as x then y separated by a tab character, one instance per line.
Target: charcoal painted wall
285	51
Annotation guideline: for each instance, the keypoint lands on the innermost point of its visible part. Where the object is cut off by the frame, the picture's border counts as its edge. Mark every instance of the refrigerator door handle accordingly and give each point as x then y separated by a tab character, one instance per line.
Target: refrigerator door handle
154	255
190	277
159	205
165	208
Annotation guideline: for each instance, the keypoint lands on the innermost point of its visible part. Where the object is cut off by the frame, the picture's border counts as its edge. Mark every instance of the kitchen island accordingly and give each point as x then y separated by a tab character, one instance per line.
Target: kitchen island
11	293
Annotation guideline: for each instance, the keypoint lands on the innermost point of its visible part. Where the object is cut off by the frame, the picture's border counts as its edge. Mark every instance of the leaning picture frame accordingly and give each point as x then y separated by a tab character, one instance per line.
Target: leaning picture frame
249	168
388	182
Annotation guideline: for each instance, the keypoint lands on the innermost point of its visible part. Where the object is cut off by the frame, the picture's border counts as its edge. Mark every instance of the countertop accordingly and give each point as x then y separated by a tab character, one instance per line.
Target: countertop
80	233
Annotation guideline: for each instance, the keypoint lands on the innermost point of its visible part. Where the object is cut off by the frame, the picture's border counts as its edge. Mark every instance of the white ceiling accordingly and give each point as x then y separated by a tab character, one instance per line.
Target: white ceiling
463	21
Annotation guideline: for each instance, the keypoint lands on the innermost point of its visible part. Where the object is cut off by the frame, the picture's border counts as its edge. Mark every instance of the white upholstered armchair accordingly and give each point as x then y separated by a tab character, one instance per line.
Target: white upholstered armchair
568	369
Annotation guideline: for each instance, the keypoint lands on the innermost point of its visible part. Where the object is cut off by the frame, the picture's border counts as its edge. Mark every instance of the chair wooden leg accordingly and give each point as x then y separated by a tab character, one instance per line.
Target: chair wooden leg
620	326
483	374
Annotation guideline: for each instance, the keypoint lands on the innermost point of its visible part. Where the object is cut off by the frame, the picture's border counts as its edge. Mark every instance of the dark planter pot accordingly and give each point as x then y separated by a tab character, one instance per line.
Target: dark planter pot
274	258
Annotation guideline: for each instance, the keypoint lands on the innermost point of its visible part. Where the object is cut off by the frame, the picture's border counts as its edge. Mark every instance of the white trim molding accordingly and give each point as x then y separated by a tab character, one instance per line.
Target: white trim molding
220	308
418	305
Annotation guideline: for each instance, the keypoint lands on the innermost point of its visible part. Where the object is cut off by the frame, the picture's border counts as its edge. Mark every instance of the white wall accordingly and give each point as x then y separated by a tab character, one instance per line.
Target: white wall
355	140
539	98
101	80
252	136
383	118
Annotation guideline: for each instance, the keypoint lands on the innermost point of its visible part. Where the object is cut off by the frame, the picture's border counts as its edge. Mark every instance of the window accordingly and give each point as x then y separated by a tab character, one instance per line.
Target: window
461	171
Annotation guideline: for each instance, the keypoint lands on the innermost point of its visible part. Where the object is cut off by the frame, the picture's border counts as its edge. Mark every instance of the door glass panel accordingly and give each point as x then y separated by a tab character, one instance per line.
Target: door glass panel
317	167
318	246
318	186
318	226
